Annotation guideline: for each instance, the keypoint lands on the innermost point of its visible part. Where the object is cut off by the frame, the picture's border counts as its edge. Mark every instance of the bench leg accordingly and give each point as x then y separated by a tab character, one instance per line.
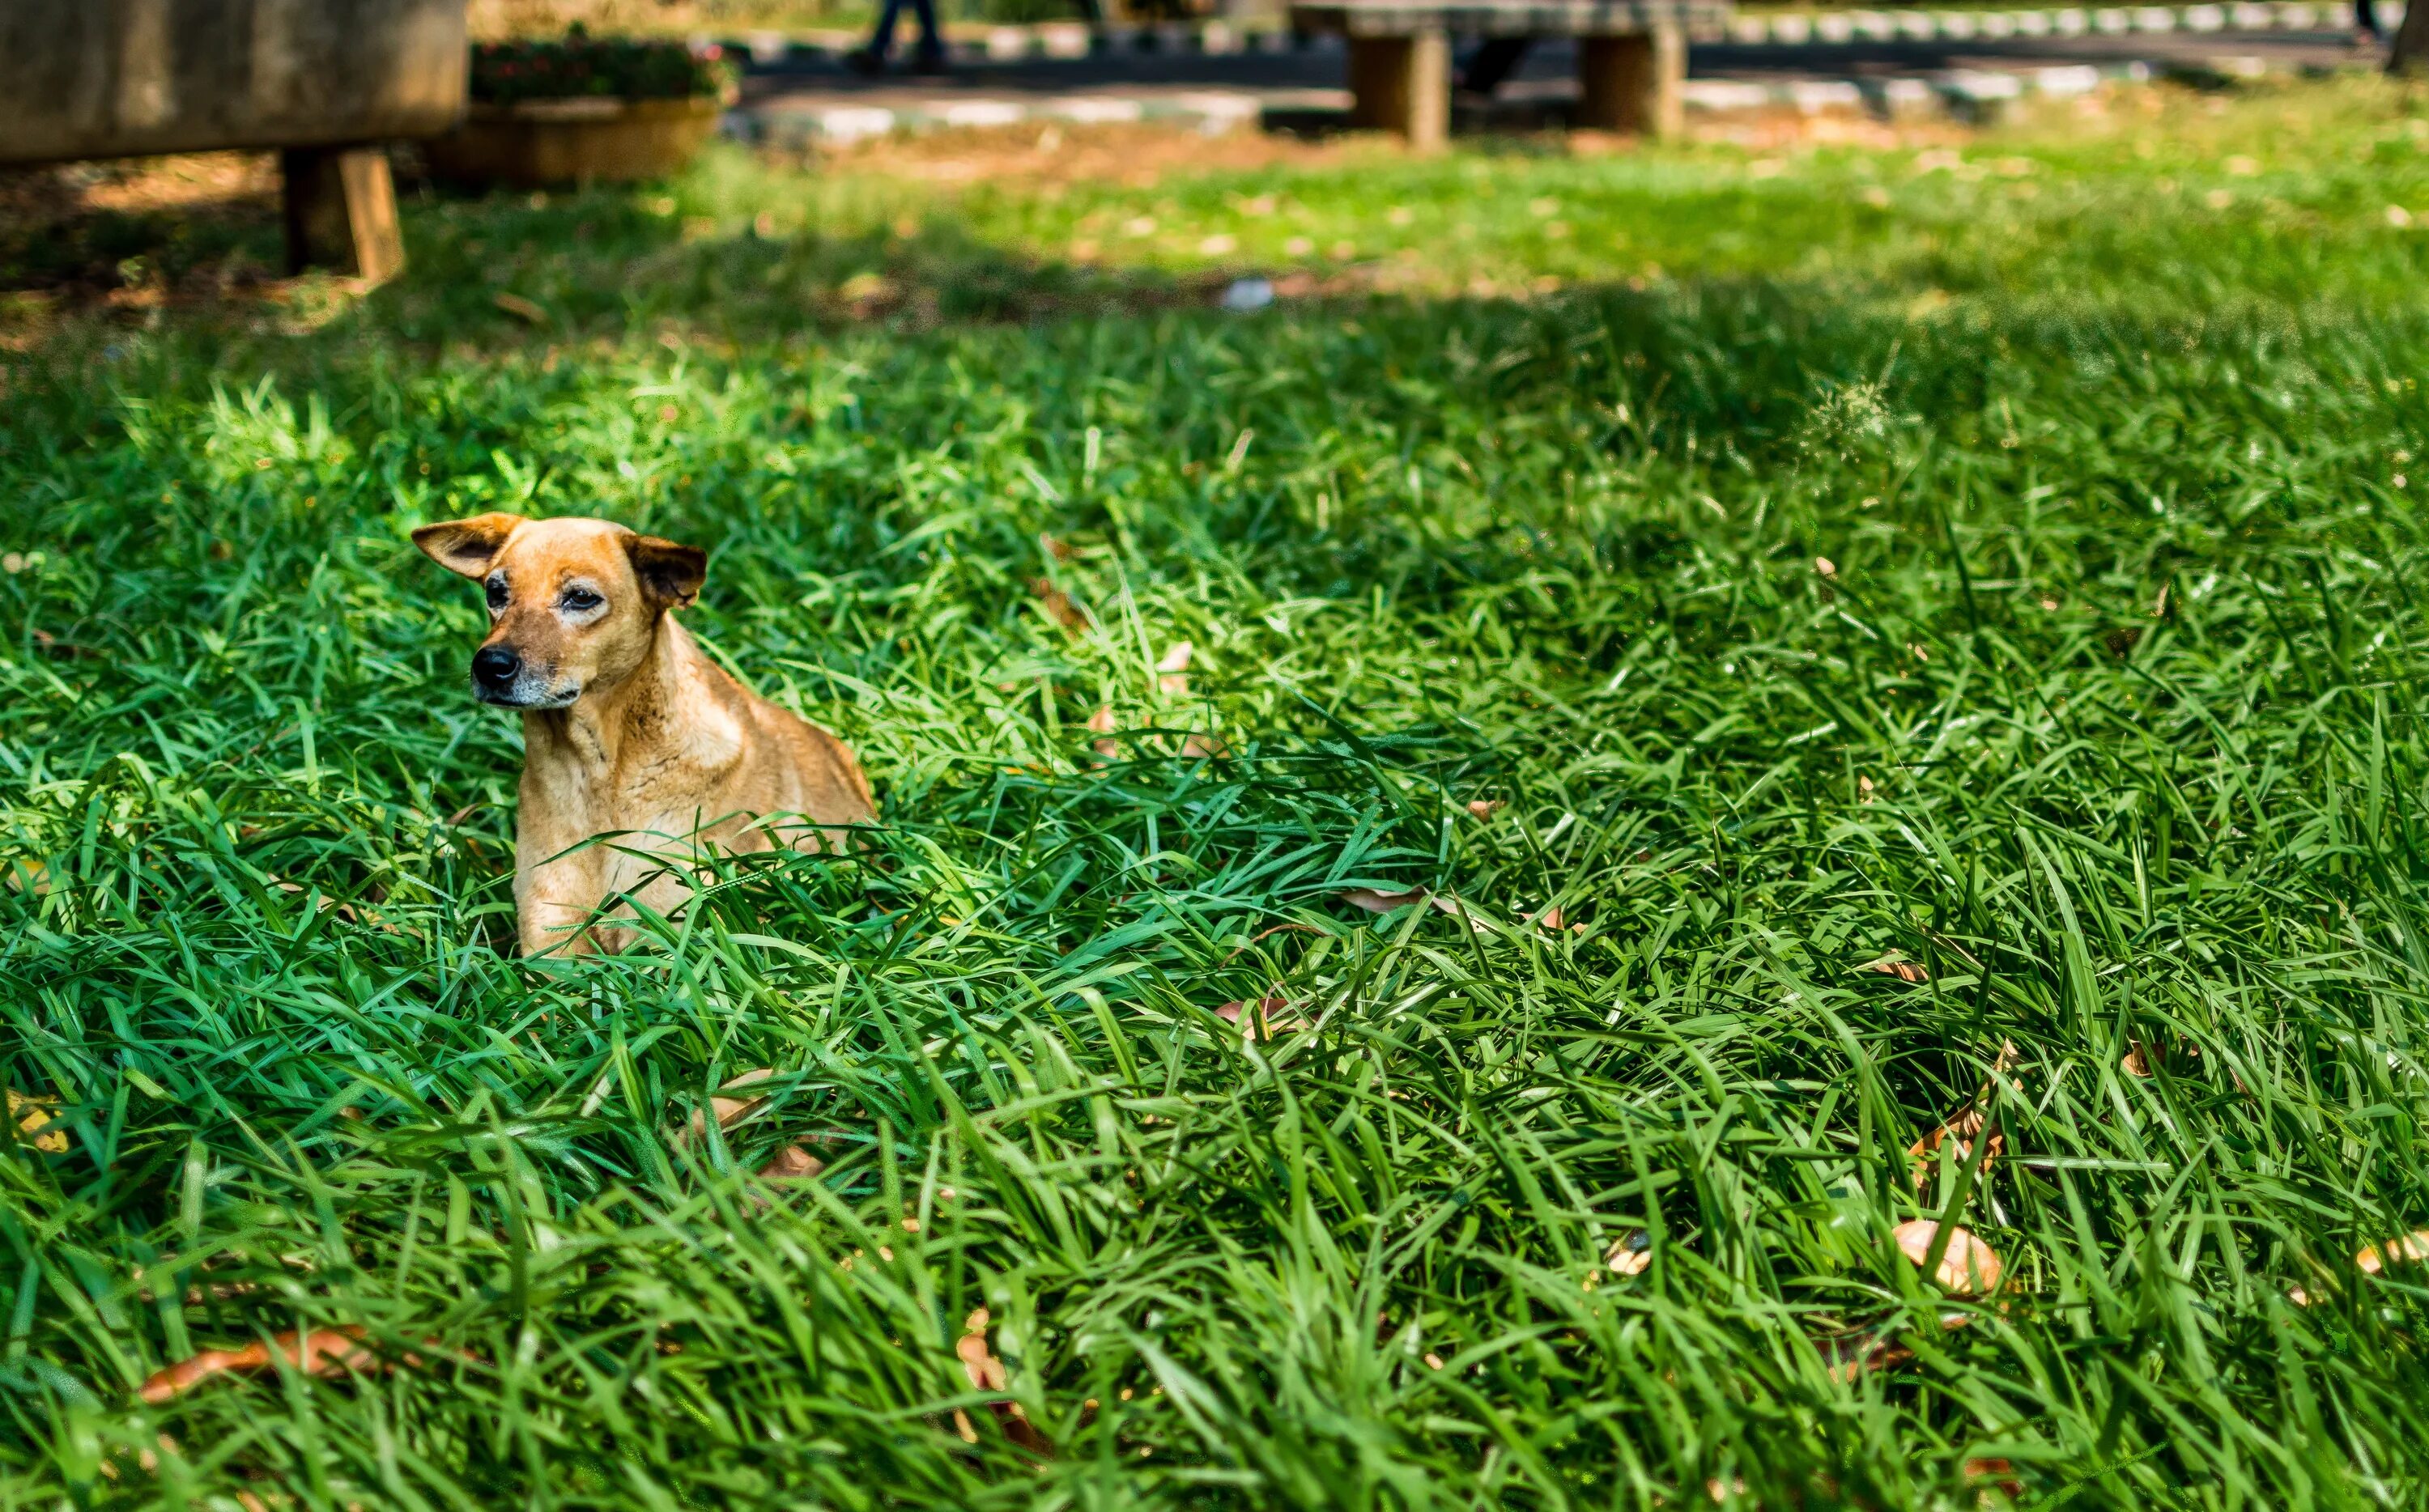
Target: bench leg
1403	84
341	212
1634	83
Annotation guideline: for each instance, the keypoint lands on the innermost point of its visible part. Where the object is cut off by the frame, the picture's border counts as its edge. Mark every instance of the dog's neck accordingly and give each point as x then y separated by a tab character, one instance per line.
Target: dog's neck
594	731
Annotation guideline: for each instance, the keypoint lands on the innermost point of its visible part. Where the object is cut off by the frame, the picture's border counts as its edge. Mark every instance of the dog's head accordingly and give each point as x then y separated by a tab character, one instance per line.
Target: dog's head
573	603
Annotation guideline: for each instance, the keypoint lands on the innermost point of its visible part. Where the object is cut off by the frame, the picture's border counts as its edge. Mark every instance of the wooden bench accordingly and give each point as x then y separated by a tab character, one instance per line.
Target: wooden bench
324	81
1631	55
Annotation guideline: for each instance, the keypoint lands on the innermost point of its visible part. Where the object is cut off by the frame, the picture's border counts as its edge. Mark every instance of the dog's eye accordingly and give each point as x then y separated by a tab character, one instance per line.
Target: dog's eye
497	593
581	601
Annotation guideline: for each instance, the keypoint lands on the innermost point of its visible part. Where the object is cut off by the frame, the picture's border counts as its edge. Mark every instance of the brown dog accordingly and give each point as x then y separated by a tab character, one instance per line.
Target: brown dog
628	728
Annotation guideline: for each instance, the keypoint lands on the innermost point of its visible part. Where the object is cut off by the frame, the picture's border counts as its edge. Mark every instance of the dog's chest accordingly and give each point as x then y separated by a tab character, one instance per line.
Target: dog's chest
668	783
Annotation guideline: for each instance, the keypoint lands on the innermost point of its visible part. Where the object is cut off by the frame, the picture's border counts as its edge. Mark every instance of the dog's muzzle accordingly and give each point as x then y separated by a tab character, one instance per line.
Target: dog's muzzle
501	677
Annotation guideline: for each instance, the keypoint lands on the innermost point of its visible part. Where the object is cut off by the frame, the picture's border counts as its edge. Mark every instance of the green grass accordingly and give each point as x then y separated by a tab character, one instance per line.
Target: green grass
2108	715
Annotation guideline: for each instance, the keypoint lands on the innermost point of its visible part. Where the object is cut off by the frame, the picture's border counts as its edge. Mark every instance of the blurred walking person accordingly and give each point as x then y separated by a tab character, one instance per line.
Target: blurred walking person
927	58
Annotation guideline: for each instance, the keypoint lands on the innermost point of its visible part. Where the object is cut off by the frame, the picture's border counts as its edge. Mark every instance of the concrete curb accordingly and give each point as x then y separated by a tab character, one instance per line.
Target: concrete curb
1072	39
1210	111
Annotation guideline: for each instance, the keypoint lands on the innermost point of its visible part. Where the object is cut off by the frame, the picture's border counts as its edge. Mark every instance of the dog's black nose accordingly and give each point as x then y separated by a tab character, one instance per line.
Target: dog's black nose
494	667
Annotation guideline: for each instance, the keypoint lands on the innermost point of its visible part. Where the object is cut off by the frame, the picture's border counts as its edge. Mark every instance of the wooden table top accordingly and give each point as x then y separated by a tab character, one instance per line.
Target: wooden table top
1509	18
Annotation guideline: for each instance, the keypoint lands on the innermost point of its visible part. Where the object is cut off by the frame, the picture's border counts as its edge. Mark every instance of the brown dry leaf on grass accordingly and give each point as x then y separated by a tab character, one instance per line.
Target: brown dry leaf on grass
1964	1126
1968	1266
986	1374
1101	723
1893	965
323	1351
521	308
1058	605
1631	1254
1272	1012
1486	808
1172	672
2377	1257
1961	1129
794	1162
729	1110
2374	1259
1999	1472
33	1116
1553	920
1377	902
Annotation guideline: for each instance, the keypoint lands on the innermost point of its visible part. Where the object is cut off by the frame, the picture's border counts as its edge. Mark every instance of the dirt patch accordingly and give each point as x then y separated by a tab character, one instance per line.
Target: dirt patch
1137	156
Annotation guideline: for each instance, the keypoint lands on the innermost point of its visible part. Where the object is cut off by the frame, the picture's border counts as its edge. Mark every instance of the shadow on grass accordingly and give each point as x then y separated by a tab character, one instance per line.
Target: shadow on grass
501	271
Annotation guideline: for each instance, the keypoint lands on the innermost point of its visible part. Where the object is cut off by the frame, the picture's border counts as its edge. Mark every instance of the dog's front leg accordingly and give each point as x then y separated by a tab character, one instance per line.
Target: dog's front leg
553	902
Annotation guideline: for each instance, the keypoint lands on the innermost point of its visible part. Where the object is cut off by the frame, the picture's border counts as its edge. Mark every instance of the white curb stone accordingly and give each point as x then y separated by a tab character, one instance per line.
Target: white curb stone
1097	110
981	113
851	122
1813	96
1725	94
2066	79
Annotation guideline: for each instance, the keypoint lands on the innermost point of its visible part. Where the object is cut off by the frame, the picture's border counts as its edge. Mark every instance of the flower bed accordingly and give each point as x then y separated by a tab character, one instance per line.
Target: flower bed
583	110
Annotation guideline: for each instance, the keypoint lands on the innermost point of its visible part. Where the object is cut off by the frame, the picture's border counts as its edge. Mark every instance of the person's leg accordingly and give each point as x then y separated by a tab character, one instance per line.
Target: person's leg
931	51
873	56
1495	60
2366	18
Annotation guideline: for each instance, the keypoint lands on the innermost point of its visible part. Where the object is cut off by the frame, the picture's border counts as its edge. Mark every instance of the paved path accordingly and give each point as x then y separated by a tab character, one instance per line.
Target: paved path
800	92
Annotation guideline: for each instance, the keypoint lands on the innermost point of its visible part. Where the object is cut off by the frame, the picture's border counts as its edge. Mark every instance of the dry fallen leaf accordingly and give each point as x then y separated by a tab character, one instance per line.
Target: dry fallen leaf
1058	605
1375	902
1960	1129
1270	1011
987	1373
1967	1267
34	1116
1999	1472
1631	1254
1852	1354
1826	566
1893	965
321	1352
2412	1247
1199	743
794	1162
1060	550
729	1110
1172	673
1864	789
1102	722
1486	808
519	307
2137	1061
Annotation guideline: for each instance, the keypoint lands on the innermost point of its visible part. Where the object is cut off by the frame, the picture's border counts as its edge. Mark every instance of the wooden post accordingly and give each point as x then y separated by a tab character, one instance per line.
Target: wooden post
1403	84
341	212
1635	83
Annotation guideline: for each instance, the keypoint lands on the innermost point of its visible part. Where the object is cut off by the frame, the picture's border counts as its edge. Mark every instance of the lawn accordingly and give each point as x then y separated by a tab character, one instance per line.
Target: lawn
1941	620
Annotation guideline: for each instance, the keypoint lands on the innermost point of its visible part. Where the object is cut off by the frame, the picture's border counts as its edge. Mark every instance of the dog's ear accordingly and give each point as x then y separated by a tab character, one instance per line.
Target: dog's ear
467	546
670	574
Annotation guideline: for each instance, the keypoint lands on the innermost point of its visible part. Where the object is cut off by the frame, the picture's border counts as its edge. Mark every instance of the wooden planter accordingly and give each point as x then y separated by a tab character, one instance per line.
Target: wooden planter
538	143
